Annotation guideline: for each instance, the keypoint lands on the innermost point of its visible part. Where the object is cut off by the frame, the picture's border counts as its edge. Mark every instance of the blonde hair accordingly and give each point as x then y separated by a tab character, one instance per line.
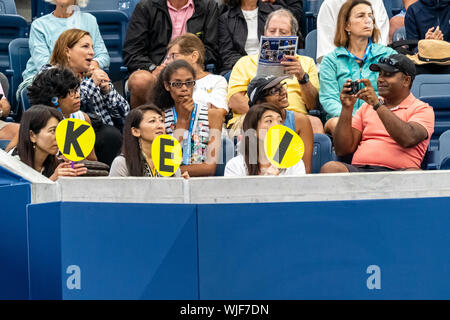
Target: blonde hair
341	37
80	3
67	39
189	43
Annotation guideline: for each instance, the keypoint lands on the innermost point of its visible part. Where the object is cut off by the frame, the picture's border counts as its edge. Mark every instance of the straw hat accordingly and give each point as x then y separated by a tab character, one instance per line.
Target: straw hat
432	51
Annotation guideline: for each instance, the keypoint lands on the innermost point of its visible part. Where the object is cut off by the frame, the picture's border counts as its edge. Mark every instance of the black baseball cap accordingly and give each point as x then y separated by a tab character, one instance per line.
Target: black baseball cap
395	63
259	84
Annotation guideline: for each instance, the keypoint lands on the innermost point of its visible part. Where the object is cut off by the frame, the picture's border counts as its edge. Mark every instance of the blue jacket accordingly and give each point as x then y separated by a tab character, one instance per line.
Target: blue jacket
425	14
337	67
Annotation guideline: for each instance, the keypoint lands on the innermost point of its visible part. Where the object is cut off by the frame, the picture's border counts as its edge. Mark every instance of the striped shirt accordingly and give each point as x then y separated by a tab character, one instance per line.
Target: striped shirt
105	106
200	133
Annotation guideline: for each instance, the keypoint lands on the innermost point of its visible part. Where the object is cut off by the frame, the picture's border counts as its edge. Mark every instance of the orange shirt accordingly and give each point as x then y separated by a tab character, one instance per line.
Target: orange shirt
377	148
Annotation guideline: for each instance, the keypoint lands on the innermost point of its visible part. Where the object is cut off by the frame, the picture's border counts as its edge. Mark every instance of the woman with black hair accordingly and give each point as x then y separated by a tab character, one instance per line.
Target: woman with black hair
37	144
59	88
142	125
198	128
253	160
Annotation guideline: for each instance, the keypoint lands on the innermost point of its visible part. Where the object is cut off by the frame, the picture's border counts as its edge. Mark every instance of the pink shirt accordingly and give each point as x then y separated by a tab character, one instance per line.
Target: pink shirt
179	17
377	148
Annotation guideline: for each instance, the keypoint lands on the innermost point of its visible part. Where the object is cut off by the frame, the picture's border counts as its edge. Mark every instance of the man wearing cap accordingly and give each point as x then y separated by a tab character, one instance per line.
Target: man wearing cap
302	86
387	133
273	90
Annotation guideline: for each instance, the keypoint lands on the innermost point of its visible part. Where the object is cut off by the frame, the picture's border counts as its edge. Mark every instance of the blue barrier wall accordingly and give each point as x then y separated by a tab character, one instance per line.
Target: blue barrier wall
369	249
14	195
373	249
113	251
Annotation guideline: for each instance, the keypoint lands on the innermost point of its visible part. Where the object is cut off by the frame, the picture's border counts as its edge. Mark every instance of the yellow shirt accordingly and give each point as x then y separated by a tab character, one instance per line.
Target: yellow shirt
245	69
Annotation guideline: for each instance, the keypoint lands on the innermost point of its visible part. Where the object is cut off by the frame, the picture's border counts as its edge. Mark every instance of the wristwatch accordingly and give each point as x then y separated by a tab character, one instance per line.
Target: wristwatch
305	79
152	67
379	104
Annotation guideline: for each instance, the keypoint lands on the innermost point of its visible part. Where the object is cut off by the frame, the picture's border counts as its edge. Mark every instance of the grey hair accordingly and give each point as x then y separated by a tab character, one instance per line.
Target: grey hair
286	13
80	3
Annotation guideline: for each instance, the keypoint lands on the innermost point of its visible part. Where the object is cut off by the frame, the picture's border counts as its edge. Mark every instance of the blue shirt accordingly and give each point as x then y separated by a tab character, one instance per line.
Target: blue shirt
46	30
290	120
337	67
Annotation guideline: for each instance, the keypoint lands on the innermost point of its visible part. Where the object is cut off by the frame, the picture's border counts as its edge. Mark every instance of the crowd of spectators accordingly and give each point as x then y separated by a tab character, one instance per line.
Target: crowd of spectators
359	89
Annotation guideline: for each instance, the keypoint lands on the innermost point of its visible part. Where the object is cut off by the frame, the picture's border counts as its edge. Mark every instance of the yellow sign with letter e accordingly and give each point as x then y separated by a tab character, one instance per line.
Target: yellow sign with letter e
284	147
166	155
75	139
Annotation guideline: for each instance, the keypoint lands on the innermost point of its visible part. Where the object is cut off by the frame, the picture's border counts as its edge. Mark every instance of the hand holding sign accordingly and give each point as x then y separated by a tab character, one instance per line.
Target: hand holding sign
75	139
166	155
65	169
284	148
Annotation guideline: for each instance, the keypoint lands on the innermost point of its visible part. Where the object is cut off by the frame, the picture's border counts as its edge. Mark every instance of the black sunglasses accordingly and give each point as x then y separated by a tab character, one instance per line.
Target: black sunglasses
390	61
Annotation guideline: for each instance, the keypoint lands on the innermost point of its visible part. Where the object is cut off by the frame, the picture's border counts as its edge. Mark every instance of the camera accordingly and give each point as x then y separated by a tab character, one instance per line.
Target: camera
355	87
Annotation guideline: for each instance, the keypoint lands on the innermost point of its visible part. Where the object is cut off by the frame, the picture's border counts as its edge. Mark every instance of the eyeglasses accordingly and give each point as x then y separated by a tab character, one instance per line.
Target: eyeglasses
179	84
390	61
277	89
172	56
74	92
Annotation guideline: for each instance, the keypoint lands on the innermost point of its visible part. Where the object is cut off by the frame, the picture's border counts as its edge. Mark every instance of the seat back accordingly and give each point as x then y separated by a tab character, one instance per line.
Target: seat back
24	102
444	150
4	144
227	152
322	151
431	85
311	8
40	8
441	107
112	25
19	53
8	7
311	45
396	6
393	7
126	6
11	27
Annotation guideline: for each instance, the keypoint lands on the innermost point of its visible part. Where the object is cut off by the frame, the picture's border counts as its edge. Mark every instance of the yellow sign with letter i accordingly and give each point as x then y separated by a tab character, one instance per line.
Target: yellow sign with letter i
284	147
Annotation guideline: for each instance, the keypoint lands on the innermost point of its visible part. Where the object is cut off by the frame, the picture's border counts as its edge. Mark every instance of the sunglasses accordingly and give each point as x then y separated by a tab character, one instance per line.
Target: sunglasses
277	89
179	84
390	61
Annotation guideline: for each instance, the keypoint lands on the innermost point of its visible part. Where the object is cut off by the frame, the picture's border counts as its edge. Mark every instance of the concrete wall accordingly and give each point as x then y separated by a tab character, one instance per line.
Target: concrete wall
321	187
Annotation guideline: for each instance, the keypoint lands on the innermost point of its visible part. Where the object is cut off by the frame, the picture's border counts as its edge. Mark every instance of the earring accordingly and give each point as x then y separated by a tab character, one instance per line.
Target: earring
348	32
34	145
55	101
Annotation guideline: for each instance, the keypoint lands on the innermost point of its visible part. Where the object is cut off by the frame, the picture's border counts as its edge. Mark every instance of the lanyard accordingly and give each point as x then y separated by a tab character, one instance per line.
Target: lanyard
366	54
187	140
71	115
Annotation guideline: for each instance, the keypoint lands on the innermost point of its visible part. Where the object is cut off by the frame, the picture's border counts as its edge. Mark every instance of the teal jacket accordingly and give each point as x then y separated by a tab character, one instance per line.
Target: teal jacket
337	67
